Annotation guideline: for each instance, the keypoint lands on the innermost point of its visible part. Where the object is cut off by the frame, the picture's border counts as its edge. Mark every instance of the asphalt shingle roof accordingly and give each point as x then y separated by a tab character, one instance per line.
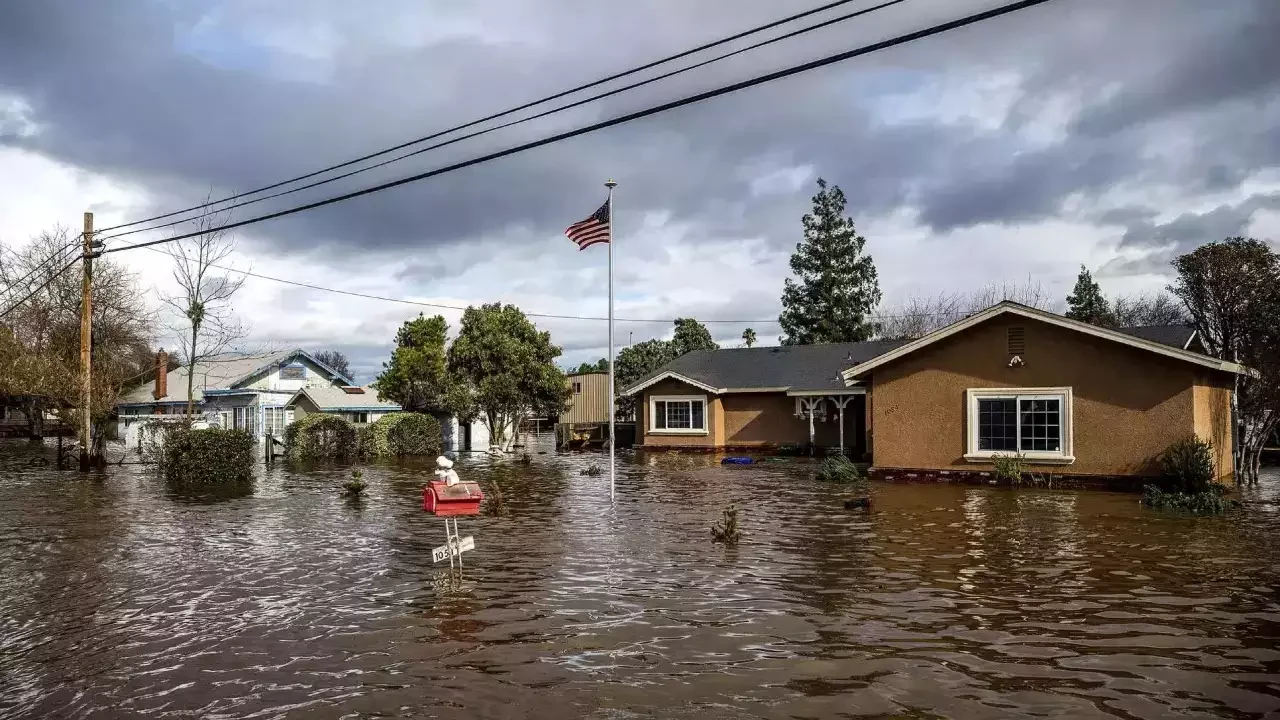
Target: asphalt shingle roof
335	398
1172	335
797	367
211	375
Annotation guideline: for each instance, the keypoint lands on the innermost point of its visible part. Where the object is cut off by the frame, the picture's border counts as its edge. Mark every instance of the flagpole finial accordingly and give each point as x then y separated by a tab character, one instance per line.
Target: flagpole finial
611	184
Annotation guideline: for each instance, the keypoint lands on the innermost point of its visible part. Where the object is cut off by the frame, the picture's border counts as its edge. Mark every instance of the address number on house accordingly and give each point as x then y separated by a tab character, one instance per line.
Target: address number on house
456	549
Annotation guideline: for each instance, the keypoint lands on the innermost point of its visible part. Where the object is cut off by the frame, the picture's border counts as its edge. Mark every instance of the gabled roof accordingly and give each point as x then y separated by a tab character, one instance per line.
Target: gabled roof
1179	336
1008	307
338	399
790	368
219	374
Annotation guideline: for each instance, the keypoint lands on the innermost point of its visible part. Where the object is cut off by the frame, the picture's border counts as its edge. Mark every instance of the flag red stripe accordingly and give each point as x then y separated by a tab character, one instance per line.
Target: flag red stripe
594	235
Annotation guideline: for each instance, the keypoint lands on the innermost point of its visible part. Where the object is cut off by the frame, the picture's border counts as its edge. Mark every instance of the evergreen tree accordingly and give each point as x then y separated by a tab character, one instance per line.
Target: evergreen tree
417	376
837	287
692	335
1086	302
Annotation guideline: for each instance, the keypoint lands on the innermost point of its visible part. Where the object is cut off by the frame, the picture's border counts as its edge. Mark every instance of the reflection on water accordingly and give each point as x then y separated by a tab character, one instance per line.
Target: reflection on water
120	598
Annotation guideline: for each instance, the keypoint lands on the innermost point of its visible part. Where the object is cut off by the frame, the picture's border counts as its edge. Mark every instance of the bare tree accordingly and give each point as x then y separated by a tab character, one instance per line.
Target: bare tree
42	350
919	316
1159	308
205	325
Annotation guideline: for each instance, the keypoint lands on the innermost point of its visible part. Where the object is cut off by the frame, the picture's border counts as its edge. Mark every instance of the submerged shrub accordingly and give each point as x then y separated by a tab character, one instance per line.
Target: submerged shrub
356	485
320	437
1187	467
726	529
1007	468
206	457
839	469
400	434
1209	502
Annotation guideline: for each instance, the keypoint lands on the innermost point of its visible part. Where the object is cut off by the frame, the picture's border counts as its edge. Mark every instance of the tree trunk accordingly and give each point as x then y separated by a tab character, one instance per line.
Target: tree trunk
33	409
191	369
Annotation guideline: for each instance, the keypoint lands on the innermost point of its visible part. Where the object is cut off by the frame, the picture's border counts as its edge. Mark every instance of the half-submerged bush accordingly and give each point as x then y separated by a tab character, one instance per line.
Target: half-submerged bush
1209	502
206	457
356	485
839	469
1187	467
400	434
320	437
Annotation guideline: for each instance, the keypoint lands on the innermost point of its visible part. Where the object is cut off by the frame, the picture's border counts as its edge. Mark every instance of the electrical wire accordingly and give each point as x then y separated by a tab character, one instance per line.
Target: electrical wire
699	97
545	113
55	257
9	311
495	116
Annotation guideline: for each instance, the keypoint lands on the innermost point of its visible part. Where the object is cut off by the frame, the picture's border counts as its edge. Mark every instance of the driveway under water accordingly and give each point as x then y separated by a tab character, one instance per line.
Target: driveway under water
119	598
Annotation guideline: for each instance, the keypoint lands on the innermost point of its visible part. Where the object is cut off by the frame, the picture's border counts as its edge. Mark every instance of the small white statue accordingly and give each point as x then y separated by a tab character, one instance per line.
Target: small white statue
445	472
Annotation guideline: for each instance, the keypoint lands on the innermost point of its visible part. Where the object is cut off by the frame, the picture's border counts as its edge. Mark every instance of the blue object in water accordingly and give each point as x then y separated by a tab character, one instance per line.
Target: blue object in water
736	461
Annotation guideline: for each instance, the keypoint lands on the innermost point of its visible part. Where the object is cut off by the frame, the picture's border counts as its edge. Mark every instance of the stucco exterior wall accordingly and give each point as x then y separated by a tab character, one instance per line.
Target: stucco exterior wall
1129	404
714	435
1212	396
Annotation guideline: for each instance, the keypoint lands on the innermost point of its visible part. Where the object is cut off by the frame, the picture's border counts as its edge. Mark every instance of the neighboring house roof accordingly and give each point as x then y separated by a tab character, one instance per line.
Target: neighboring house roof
337	399
1179	336
790	368
218	374
1008	307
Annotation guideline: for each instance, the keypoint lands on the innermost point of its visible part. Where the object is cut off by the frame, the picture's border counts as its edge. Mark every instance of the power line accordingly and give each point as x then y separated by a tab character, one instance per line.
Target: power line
495	116
545	113
699	97
55	257
35	292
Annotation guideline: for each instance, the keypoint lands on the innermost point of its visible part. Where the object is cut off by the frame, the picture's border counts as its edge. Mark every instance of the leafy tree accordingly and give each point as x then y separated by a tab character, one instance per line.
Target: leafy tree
749	337
640	360
599	366
634	364
1231	290
505	370
692	335
1086	302
417	375
838	287
335	360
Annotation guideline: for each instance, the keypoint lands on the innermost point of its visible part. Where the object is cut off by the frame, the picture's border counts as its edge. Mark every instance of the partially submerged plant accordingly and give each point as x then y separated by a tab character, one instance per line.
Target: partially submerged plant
1209	502
526	459
592	470
1008	468
839	469
356	485
1187	466
726	529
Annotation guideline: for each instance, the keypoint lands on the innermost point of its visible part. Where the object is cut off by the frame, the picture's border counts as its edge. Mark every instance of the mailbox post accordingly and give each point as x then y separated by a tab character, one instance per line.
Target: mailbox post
451	502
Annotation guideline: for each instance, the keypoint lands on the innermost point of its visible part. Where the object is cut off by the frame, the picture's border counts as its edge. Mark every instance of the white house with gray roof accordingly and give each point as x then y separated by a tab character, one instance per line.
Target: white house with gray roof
249	393
353	403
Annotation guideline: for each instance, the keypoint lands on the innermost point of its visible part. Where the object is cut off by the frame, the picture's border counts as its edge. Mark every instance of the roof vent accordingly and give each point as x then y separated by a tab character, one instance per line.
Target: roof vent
1017	341
353	389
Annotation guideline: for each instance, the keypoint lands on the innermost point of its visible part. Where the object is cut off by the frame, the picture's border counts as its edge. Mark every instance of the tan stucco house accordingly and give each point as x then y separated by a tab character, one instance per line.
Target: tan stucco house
1071	398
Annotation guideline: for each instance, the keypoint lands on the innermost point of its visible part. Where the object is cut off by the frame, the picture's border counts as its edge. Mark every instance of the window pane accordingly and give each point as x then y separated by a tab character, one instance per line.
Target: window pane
678	414
659	415
1040	425
698	411
997	424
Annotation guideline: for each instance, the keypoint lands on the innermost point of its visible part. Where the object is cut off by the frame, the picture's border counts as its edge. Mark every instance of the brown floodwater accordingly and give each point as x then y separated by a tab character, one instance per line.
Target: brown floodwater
119	598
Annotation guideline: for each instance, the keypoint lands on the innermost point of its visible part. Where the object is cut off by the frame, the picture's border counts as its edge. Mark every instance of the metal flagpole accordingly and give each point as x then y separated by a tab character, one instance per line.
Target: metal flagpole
612	398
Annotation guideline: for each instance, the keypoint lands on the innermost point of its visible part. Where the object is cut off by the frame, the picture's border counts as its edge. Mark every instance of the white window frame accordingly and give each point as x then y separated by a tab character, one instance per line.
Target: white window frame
1064	456
655	399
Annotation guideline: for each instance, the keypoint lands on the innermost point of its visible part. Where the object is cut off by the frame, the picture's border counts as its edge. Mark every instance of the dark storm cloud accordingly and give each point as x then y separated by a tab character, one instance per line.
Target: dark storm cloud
115	88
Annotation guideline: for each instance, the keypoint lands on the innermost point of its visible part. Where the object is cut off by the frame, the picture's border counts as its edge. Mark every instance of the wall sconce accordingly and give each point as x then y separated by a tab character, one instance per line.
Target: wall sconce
1016	361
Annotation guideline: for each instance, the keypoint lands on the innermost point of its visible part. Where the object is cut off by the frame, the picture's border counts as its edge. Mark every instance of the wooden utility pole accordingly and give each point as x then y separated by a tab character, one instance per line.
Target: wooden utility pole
86	346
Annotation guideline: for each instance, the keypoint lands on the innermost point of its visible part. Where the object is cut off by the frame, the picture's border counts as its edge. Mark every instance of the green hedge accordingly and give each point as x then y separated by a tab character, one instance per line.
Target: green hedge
400	434
321	437
206	457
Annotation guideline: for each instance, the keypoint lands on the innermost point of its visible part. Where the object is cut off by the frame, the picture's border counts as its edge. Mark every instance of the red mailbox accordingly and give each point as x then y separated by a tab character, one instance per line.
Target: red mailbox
444	500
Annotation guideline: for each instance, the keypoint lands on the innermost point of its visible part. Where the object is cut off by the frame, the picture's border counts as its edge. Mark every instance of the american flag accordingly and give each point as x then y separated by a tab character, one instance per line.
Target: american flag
594	229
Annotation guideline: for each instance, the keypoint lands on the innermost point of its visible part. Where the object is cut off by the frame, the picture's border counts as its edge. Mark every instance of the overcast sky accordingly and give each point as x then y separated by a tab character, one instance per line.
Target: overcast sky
1082	131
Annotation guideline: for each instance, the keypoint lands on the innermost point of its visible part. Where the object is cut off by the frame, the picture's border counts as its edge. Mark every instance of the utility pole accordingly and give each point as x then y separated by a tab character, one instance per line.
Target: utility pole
86	347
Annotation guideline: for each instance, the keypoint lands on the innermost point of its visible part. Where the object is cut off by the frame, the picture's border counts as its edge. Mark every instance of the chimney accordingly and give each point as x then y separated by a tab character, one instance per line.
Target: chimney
162	374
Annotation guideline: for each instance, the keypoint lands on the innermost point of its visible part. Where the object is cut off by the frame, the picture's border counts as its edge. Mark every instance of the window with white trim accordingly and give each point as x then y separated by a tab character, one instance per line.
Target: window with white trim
1032	422
678	413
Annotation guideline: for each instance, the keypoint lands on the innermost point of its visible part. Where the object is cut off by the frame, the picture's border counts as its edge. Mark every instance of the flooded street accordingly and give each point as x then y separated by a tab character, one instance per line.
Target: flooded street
121	599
